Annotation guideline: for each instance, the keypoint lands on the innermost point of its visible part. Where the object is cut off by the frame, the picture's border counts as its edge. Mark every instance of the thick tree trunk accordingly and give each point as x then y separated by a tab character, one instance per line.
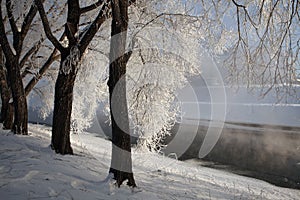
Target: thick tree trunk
62	109
20	125
9	117
64	85
7	111
12	55
121	162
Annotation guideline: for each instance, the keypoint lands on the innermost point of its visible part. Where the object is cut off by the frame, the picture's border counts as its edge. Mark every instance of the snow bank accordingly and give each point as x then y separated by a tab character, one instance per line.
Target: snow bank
30	170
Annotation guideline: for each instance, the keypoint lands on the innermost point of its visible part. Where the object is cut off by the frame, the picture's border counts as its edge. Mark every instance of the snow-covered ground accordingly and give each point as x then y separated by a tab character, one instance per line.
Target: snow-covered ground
29	169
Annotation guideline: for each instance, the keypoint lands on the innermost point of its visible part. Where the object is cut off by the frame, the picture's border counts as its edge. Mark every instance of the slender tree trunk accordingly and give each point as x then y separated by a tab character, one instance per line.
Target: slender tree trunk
62	109
20	125
7	111
121	162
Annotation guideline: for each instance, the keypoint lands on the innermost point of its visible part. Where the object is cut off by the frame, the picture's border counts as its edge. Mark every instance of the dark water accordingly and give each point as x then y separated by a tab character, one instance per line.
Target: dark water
270	153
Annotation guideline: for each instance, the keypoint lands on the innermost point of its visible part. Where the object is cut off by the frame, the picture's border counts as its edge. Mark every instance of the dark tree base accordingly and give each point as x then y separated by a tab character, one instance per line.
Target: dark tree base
121	162
63	100
120	177
64	151
8	117
14	78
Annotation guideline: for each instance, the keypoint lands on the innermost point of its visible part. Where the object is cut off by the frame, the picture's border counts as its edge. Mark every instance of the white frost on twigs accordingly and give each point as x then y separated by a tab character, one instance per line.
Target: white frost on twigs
71	61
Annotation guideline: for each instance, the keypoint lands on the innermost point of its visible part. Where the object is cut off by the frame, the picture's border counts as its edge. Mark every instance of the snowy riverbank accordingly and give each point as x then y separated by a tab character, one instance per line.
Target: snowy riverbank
29	169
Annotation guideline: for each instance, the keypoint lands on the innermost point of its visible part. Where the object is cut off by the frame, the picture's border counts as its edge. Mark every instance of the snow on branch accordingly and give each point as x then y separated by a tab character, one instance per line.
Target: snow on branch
71	62
46	25
91	7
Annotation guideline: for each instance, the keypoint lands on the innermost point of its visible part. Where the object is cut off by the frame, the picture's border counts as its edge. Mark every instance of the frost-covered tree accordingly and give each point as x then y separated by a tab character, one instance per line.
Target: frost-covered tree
256	43
121	162
166	39
71	53
226	30
12	51
165	54
159	66
264	45
33	50
42	56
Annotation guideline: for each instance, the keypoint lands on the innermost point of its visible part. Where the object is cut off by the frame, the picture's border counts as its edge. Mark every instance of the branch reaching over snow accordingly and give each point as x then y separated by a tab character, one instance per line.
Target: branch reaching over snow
11	18
46	25
43	69
41	72
30	52
28	20
3	38
93	28
89	34
91	7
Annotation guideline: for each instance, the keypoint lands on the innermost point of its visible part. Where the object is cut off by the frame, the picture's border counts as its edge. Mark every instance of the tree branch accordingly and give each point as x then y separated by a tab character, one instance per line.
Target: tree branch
29	53
41	72
88	35
3	39
28	20
91	7
73	18
11	18
43	69
238	5
127	56
46	25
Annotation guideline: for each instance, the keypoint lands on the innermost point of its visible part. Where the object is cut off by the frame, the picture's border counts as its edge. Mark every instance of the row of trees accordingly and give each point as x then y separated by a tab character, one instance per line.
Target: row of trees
167	33
21	43
70	57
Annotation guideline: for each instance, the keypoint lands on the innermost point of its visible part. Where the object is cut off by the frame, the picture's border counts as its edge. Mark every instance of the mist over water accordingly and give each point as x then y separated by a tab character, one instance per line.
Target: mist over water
259	134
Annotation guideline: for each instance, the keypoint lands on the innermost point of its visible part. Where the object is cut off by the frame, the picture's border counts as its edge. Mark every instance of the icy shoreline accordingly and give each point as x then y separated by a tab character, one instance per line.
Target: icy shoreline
30	170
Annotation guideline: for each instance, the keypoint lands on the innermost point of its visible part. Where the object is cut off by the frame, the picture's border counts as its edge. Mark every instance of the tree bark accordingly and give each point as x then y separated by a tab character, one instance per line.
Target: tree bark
64	85
65	82
7	111
12	55
62	109
9	116
20	125
121	162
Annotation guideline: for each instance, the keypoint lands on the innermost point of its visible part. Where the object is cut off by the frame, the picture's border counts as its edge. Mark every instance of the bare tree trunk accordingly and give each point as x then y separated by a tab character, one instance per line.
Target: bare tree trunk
12	55
64	85
9	117
7	111
65	81
20	125
121	162
62	109
12	86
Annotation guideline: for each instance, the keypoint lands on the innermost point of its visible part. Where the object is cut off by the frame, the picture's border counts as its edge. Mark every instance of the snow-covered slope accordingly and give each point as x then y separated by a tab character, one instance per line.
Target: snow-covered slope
29	169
